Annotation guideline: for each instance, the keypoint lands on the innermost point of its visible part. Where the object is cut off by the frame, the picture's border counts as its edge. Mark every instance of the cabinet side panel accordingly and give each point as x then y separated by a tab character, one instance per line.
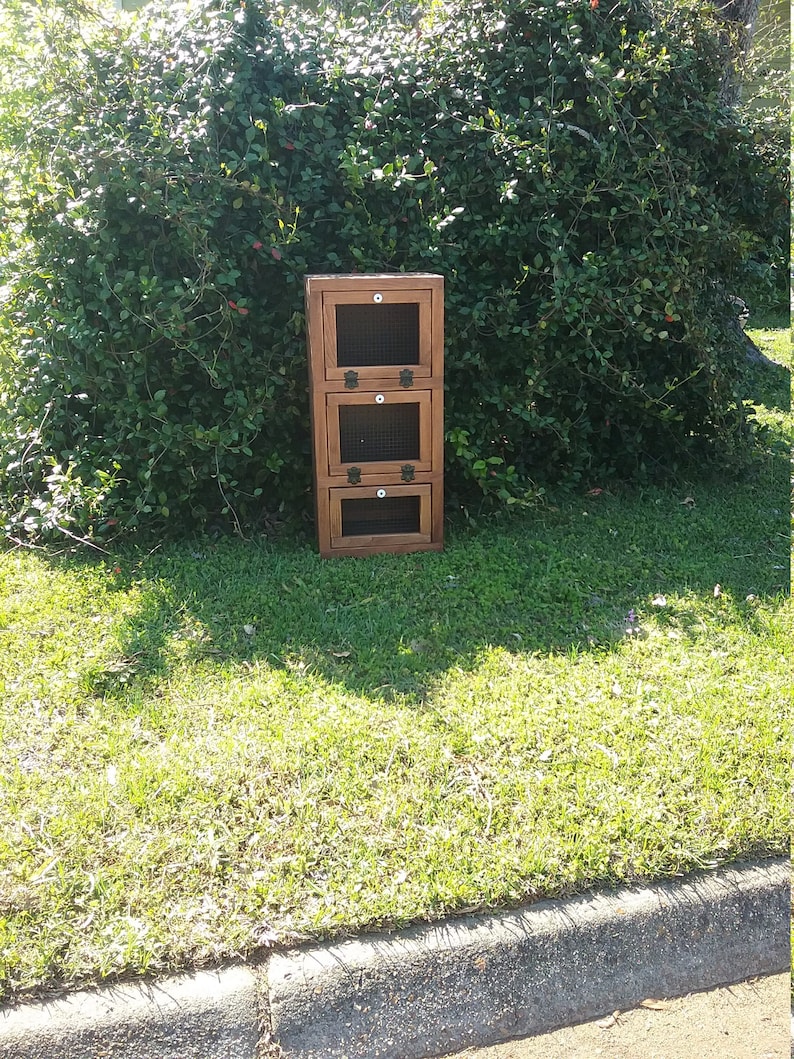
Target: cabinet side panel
314	333
437	332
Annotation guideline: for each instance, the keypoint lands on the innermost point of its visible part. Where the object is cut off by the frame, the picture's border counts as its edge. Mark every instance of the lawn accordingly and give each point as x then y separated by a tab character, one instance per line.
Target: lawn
214	746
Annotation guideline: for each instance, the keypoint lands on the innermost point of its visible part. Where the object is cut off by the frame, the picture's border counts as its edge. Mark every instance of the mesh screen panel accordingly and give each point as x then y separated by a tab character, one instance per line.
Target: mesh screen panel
377	334
392	514
372	433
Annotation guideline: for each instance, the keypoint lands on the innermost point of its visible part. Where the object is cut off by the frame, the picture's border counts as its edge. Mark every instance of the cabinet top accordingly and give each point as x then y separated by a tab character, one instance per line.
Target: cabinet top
372	281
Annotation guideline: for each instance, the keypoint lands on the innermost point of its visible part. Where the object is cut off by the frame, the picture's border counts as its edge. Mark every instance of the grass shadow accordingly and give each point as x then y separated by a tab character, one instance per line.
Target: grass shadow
554	579
551	580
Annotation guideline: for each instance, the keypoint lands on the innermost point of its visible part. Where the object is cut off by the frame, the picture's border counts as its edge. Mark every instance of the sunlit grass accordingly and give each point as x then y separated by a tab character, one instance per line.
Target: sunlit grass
219	744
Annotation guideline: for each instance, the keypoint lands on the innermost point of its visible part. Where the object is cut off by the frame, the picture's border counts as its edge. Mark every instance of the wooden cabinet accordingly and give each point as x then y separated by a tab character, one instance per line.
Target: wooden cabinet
376	376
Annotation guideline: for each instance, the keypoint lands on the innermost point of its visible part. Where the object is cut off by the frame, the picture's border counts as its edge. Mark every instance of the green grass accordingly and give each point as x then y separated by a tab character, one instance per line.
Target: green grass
221	745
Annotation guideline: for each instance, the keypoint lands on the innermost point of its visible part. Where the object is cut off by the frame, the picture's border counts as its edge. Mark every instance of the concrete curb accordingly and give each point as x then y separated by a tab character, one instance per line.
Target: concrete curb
479	980
431	990
207	1015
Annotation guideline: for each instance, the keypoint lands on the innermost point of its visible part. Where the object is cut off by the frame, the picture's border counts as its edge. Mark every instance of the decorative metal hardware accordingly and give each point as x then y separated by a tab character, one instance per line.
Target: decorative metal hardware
379	398
377	298
381	493
351	380
408	472
406	378
354	475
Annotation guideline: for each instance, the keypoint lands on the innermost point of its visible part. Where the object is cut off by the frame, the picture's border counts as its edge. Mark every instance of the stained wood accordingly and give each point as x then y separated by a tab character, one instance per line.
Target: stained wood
423	461
421	365
329	395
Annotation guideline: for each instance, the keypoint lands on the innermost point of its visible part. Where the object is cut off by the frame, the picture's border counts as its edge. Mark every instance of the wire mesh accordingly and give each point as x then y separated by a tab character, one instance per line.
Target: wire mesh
370	516
377	335
378	433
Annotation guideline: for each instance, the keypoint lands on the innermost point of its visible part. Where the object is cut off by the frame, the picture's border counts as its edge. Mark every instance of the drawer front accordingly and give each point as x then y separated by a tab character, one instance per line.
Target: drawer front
377	335
380	432
375	517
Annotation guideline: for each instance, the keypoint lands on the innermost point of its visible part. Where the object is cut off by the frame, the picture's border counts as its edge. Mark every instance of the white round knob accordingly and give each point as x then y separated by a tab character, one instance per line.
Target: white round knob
377	298
379	398
380	494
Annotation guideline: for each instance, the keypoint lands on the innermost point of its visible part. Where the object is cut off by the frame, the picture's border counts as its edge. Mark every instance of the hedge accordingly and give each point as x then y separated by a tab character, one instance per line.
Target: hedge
567	166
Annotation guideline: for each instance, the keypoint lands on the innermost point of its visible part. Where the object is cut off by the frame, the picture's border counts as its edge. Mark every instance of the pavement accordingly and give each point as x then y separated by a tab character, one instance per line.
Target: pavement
436	989
748	1020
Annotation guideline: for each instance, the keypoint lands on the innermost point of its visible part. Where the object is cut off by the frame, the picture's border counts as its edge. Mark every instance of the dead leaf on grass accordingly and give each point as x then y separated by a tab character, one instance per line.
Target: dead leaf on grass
265	937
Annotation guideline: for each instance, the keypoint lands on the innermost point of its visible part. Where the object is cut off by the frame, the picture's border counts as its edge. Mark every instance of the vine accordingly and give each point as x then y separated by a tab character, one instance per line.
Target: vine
569	167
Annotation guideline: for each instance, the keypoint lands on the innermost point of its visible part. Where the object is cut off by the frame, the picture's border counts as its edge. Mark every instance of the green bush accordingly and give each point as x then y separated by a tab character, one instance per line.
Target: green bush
566	166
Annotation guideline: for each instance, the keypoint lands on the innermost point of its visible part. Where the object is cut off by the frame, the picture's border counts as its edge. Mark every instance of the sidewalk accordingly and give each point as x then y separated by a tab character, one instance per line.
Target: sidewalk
432	990
749	1020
